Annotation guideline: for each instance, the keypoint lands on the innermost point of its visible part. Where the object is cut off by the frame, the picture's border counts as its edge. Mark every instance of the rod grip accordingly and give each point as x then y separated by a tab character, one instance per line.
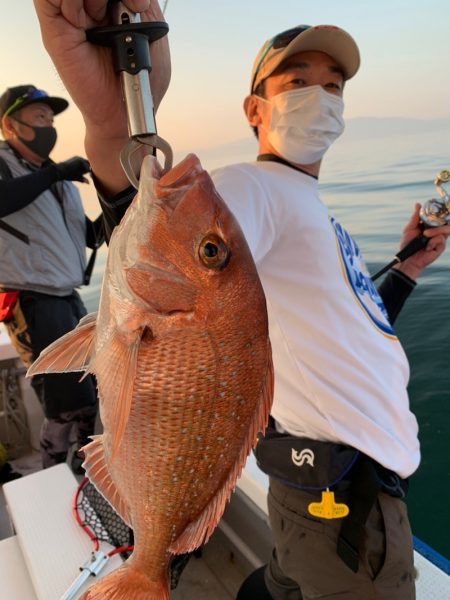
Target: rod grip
416	244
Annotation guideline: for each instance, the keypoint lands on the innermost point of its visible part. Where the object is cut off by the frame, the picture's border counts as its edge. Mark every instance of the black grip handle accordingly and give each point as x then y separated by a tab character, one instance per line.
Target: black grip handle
129	42
414	246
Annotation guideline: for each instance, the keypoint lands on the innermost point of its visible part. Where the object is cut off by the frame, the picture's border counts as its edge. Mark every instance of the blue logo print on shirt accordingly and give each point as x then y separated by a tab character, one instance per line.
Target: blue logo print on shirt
359	280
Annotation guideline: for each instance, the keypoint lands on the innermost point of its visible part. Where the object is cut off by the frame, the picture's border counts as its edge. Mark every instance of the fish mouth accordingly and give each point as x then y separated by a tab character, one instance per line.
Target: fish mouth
163	291
173	186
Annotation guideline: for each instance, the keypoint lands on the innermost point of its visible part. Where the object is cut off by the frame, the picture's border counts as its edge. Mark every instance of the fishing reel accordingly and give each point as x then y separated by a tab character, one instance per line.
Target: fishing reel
436	212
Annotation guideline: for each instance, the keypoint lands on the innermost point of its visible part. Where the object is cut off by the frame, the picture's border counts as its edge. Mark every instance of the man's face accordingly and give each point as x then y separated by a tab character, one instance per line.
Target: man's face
37	114
298	71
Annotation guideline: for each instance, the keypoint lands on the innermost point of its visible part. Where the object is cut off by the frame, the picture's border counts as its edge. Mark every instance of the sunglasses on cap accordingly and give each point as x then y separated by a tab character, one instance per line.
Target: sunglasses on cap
281	40
31	95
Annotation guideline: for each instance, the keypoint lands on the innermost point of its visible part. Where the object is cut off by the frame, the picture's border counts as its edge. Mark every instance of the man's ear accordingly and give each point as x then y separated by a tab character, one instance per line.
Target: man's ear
252	108
6	126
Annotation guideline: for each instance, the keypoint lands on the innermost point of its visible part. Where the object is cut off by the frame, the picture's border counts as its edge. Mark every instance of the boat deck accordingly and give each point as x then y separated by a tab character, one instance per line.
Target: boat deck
215	574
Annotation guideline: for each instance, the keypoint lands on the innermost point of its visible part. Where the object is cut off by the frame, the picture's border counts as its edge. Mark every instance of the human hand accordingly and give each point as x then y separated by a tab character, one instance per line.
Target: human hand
73	169
414	265
88	74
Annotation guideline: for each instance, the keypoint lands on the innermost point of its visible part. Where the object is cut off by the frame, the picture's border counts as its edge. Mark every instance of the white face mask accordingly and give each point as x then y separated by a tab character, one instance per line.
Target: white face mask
304	123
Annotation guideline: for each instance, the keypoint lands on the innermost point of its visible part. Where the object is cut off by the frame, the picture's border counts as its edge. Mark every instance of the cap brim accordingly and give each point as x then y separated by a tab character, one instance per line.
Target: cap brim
331	40
56	104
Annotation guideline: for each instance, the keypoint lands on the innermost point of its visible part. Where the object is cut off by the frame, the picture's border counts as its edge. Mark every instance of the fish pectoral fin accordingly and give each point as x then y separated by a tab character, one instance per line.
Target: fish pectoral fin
199	531
97	471
115	368
71	352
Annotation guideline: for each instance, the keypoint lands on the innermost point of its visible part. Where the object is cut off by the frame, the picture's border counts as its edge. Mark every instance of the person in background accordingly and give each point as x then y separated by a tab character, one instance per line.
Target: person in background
341	374
43	237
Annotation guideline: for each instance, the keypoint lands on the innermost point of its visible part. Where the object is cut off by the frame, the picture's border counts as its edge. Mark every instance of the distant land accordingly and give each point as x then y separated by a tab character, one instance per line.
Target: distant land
376	127
361	128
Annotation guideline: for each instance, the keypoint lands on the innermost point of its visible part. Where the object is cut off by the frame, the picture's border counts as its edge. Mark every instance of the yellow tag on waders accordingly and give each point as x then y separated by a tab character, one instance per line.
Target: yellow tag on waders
328	508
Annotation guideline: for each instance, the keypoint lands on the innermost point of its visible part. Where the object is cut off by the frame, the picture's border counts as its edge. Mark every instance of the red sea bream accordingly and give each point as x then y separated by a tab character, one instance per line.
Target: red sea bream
181	353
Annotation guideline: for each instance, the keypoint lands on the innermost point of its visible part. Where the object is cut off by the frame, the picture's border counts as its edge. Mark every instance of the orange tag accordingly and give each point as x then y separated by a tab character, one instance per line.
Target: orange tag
328	508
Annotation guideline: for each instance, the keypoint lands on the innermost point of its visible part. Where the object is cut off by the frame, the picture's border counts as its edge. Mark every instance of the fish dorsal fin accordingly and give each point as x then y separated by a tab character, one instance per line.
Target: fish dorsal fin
198	532
71	352
115	367
97	471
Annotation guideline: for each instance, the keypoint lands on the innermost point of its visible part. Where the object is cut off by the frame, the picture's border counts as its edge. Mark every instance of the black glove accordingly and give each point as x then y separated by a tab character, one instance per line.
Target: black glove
73	169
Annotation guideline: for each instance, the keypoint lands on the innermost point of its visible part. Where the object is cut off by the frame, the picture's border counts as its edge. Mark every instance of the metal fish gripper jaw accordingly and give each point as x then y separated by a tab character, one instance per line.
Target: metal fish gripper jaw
436	212
129	39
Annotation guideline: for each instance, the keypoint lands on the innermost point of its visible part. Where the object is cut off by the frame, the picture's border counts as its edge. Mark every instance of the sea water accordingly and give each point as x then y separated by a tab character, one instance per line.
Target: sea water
372	186
371	179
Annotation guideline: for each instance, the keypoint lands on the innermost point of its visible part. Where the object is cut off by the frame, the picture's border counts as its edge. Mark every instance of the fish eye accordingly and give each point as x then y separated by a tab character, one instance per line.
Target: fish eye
213	252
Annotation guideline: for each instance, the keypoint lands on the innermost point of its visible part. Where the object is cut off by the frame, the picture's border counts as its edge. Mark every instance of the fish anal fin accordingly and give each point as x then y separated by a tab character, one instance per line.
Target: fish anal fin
71	352
199	531
97	471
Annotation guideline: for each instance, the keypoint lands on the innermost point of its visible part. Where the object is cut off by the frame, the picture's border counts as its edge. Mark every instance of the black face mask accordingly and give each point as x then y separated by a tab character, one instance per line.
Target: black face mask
43	142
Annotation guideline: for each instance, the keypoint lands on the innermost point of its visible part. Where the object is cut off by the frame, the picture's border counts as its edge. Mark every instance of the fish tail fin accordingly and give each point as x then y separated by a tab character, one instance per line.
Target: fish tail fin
130	583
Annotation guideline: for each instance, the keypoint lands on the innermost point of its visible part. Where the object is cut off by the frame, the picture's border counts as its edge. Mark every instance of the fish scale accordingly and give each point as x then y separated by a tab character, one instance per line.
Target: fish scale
160	405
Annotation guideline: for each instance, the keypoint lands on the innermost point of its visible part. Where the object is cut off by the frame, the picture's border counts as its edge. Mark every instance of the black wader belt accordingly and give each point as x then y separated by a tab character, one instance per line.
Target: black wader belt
90	267
368	478
363	492
13	231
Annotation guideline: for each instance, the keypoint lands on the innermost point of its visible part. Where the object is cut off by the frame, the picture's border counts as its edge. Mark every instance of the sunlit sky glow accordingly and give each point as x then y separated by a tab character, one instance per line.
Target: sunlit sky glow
404	45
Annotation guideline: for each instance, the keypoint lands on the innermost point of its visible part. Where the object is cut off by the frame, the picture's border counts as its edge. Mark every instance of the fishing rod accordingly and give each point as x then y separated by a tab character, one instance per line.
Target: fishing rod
434	213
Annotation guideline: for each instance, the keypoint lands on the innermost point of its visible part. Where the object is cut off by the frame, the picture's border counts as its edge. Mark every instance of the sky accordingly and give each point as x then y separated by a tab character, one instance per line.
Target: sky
404	46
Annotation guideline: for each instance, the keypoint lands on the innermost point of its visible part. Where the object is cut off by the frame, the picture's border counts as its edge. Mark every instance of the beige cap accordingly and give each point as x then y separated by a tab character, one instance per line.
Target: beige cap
330	39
